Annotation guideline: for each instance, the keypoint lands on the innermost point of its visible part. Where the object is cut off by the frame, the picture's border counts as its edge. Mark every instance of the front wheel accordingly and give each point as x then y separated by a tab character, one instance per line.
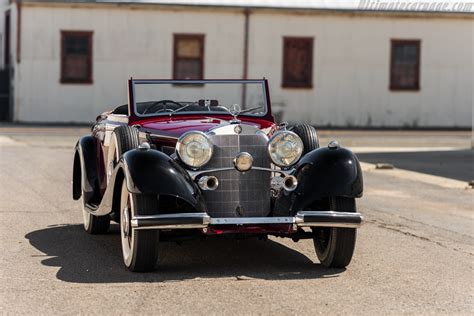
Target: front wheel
139	247
94	224
335	246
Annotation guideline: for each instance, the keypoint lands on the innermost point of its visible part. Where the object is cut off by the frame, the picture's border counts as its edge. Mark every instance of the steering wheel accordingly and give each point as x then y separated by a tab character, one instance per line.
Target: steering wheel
164	102
168	110
223	107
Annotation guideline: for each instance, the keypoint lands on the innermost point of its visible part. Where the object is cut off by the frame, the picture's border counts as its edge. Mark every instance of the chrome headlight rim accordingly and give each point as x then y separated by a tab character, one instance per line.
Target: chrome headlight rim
179	146
278	135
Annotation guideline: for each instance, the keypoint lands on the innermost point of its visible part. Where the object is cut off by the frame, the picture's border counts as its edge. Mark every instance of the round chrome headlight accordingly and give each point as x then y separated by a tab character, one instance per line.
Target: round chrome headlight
194	149
285	148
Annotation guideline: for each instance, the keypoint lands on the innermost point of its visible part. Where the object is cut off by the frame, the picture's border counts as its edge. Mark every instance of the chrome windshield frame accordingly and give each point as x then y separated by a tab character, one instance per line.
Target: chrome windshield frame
262	82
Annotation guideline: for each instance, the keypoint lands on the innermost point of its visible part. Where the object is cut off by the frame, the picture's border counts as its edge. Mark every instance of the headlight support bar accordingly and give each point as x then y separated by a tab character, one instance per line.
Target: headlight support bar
195	174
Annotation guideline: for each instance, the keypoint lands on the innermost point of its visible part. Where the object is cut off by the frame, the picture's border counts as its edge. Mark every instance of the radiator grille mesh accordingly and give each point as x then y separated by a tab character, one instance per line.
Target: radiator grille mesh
239	194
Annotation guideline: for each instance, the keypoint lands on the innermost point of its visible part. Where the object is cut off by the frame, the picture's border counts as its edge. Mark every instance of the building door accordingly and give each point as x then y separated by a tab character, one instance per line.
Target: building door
5	73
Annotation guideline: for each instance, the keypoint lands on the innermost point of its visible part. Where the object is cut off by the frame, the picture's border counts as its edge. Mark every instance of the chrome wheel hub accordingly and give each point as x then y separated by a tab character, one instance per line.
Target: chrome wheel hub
126	222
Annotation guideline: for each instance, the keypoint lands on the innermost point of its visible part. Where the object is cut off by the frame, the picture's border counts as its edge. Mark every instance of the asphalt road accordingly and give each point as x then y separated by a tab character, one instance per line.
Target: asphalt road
414	254
454	164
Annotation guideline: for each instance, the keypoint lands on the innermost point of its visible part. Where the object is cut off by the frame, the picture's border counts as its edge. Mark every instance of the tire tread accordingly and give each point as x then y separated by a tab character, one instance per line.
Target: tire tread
343	239
99	225
146	240
308	135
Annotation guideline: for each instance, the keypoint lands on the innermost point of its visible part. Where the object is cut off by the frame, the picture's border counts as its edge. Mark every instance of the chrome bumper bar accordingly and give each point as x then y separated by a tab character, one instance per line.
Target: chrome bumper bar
202	220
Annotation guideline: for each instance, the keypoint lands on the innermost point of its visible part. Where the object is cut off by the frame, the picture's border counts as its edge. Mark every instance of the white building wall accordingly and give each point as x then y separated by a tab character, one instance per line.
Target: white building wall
350	75
351	69
126	43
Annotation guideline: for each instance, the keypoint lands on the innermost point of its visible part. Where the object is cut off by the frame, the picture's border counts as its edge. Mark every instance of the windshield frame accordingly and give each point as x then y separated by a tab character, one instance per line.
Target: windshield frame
135	115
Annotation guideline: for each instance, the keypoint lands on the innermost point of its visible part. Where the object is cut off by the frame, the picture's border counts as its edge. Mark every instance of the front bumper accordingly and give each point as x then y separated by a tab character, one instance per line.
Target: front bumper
202	220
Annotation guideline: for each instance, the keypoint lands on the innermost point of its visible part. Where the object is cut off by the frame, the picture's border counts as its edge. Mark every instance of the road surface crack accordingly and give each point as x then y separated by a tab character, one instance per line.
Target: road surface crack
399	229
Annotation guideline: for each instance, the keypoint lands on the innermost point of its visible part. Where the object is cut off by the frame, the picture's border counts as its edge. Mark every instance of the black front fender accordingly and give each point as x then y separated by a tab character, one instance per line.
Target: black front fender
85	178
326	172
153	172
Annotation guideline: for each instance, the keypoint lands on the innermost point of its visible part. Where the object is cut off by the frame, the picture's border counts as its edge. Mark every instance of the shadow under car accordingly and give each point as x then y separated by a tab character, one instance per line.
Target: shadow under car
84	258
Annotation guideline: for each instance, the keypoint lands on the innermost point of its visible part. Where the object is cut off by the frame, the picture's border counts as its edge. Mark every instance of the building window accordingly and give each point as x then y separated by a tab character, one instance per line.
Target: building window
405	65
297	62
188	60
76	57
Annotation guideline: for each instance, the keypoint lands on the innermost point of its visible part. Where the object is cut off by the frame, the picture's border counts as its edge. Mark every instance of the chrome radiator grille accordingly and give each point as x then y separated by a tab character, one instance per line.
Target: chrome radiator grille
239	194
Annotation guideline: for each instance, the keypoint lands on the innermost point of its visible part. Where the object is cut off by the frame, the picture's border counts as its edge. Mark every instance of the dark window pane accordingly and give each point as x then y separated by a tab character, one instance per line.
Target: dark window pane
75	67
297	63
76	45
404	72
76	61
188	69
405	54
188	56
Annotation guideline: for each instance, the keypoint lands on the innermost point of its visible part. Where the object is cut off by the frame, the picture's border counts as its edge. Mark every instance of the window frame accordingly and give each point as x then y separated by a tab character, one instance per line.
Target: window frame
89	35
393	85
288	84
176	58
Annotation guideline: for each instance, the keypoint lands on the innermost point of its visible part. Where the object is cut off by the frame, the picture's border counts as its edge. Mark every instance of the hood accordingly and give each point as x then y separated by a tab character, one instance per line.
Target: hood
176	126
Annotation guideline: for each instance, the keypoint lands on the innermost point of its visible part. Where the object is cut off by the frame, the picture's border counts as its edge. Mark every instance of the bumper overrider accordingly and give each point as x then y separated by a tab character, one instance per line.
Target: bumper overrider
203	220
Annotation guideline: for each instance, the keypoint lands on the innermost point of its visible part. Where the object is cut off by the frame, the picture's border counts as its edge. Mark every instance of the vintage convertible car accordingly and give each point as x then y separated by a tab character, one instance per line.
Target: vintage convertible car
200	158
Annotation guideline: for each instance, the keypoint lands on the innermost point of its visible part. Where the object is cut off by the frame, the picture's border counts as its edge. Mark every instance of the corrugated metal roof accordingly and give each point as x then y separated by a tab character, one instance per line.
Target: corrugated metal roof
293	4
449	6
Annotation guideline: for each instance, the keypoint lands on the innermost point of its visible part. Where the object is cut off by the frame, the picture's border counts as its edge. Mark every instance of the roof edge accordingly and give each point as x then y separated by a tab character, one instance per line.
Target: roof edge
299	10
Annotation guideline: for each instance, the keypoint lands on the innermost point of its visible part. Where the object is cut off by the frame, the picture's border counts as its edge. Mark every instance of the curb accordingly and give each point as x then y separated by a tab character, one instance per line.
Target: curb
417	176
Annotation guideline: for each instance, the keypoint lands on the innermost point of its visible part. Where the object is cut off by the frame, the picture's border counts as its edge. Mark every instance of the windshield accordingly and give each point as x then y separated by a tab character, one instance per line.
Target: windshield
157	97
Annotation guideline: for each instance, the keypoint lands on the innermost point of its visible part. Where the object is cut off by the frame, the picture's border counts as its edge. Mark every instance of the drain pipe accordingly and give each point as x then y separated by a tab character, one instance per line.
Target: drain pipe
18	32
246	54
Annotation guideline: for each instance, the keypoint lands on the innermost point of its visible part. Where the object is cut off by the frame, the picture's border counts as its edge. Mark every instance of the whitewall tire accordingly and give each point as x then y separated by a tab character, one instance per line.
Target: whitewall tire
139	247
